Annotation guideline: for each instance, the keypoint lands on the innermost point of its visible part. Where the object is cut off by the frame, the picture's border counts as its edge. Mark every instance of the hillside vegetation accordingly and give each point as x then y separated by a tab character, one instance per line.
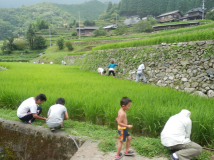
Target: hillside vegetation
157	7
15	21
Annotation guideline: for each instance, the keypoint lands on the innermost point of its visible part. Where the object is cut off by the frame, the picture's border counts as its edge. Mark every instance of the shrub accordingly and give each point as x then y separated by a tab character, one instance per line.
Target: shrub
74	33
99	32
39	42
69	45
143	26
210	15
20	45
60	43
121	29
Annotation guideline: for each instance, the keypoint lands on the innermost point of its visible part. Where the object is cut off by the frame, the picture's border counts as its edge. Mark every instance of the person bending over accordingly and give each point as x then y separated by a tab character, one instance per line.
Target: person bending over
112	68
101	71
57	114
176	136
29	110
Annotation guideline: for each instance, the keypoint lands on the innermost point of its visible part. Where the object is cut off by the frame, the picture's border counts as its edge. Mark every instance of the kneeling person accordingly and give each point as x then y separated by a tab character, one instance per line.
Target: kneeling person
29	110
57	114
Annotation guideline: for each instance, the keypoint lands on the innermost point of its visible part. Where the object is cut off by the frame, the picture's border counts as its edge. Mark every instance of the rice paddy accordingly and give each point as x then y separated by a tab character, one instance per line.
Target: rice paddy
96	99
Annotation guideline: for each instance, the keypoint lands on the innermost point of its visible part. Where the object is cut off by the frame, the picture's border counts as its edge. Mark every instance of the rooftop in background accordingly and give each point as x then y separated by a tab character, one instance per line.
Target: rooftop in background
111	26
169	13
85	28
194	10
132	20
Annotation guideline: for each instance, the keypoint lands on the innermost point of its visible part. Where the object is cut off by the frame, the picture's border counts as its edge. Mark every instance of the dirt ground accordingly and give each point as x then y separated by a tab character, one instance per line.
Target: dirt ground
89	151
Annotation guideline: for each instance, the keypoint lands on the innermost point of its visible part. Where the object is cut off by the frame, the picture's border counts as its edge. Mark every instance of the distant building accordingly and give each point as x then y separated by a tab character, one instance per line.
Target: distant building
169	16
174	26
132	20
110	27
193	14
144	18
86	31
212	9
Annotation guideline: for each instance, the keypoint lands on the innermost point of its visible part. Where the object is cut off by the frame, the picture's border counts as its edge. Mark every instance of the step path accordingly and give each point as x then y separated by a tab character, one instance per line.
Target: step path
89	151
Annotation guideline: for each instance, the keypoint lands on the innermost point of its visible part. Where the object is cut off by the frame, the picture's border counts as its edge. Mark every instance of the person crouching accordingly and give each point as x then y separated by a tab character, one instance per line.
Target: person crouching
57	114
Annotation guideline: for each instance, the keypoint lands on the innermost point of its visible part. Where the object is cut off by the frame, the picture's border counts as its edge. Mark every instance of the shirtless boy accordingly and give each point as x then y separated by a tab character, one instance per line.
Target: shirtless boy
122	128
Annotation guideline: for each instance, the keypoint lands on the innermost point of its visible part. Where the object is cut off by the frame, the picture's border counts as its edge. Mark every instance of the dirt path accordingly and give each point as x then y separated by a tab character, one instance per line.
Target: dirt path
89	151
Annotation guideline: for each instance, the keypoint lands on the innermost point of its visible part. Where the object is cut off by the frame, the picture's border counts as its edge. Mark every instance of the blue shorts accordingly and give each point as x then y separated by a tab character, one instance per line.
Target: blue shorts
123	133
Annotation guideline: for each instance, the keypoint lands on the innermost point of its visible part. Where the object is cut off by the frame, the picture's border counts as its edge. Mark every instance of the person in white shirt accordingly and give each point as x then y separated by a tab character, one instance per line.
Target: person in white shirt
57	114
140	72
29	110
176	136
101	71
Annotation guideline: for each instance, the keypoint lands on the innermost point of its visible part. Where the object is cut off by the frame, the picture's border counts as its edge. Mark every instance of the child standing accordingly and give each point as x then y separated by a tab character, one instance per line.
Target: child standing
122	128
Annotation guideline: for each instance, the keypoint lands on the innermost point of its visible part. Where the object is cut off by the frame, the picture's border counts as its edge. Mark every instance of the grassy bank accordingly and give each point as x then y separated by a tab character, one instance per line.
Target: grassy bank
95	99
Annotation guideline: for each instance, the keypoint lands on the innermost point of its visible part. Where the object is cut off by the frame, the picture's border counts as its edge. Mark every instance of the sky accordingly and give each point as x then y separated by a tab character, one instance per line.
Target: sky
19	3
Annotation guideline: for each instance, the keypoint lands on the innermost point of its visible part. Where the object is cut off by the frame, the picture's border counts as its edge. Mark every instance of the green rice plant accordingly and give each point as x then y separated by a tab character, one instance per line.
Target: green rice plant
192	36
96	99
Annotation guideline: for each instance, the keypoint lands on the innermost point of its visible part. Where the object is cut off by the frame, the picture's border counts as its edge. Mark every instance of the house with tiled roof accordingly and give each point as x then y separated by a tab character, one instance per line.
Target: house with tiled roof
193	14
85	31
169	16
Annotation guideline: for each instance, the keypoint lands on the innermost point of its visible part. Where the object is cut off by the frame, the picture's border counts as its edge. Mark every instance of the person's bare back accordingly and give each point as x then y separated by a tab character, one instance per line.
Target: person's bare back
122	117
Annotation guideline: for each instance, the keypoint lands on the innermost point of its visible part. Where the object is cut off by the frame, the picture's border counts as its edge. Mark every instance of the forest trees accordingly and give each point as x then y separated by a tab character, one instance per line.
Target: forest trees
40	24
89	23
157	7
8	46
210	15
111	13
35	42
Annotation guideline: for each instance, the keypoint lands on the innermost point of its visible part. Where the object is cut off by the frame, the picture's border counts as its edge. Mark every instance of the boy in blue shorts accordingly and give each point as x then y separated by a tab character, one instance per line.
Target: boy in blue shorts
122	128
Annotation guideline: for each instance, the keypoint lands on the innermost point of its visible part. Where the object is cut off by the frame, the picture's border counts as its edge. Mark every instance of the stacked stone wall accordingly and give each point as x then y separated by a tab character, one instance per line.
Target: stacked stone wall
185	66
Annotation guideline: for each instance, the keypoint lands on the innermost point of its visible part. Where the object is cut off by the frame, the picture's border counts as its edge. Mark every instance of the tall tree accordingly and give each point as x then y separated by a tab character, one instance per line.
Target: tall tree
30	35
109	6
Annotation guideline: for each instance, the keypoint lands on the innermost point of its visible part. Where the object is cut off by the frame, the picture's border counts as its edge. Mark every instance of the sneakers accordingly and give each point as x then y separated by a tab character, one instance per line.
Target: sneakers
61	127
173	158
118	157
52	129
129	153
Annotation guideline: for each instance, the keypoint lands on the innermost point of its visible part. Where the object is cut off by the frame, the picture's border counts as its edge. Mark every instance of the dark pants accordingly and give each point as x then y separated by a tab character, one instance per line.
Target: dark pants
109	73
29	116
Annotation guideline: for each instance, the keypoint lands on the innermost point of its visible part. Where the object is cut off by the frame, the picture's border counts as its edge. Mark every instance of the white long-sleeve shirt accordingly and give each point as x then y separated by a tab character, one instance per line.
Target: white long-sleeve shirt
177	129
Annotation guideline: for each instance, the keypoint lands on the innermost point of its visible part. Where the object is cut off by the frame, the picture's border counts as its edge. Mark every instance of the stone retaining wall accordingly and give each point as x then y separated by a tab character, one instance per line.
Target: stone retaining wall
75	59
184	66
95	42
28	142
